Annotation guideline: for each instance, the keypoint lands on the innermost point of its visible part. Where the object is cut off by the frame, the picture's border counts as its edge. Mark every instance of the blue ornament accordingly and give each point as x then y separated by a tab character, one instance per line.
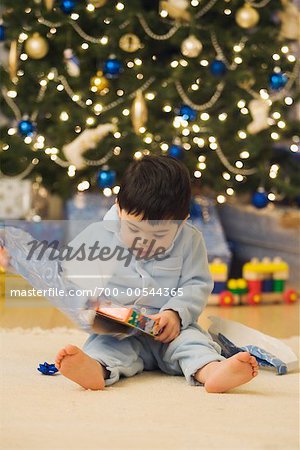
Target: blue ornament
218	67
277	81
260	198
2	33
26	127
112	68
47	369
187	113
67	6
106	178
195	210
176	151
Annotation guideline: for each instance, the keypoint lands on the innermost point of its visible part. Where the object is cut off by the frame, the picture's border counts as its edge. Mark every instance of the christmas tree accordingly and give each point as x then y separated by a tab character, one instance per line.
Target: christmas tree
89	85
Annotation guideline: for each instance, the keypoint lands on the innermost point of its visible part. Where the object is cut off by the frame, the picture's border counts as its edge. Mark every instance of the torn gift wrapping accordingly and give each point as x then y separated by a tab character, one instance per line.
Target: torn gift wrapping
234	337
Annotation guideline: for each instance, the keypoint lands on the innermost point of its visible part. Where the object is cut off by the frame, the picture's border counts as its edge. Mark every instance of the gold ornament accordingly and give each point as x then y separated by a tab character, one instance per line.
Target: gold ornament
98	3
247	17
191	47
49	4
176	9
13	61
36	46
130	43
139	112
99	83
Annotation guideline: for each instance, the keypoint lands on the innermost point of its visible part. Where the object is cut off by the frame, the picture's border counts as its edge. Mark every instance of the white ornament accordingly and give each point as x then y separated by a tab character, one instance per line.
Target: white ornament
88	139
290	21
191	47
72	63
176	9
259	109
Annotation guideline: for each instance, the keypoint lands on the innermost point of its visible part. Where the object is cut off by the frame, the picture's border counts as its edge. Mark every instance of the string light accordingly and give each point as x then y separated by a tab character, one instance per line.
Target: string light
74	16
221	199
238	60
150	96
83	186
125	112
222	117
276	57
204	116
116	189
90	121
294	148
60	87
291	58
104	40
241	103
174	64
120	6
201	158
288	101
71	170
244	154
197	174
229	191
242	134
274	171
239	177
107	192
226	176
85	46
164	147
163	13
138	155
275	136
271	196
90	7
285	49
281	124
64	116
167	108
24	56
117	135
12	94
204	62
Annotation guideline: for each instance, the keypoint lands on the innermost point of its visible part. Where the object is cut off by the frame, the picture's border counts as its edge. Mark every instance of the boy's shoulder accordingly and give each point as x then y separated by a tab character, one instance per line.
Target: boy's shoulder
191	231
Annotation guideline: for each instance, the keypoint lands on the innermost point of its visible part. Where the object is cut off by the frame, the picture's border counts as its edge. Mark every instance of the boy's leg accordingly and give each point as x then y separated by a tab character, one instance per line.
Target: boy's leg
120	358
76	365
101	362
199	358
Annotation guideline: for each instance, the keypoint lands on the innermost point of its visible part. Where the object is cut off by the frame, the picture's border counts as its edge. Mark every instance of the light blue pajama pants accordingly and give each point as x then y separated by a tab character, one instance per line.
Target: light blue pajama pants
190	351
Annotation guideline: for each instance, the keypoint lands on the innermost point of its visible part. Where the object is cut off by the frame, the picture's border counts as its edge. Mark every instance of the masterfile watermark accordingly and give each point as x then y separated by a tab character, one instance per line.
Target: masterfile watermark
37	250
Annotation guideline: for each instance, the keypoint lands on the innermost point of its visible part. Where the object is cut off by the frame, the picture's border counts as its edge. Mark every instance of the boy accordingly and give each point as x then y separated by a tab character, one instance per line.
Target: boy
149	219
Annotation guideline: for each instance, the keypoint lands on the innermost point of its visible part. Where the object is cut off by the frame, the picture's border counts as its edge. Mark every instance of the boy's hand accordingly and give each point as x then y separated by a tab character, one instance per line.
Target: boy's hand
169	325
4	257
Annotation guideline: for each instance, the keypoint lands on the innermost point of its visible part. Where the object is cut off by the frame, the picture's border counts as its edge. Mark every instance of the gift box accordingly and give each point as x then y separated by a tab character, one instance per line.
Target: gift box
270	232
204	216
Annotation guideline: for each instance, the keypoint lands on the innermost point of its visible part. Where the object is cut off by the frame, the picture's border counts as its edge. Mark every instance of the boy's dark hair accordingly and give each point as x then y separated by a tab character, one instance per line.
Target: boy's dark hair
157	187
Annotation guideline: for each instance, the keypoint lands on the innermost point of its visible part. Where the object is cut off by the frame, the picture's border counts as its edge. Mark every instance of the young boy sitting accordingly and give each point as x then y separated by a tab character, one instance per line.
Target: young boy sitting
149	220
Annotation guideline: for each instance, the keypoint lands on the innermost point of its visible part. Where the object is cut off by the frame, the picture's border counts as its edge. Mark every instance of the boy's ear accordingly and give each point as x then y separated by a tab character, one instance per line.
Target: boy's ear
118	207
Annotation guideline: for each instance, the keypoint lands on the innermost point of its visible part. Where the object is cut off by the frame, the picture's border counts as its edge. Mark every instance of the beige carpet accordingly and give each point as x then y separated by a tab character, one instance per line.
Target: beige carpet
150	411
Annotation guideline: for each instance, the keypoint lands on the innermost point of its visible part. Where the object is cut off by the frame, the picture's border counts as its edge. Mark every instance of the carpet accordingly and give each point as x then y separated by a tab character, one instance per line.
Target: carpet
149	411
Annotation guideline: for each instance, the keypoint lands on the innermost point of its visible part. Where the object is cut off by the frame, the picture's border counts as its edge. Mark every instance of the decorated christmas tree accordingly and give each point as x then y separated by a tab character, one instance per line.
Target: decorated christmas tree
89	85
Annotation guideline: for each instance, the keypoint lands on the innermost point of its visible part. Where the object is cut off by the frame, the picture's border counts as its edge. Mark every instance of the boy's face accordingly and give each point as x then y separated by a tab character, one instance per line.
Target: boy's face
145	237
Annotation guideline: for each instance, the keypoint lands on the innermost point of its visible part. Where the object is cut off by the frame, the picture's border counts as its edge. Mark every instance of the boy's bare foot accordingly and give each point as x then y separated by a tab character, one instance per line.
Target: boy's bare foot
221	376
76	365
